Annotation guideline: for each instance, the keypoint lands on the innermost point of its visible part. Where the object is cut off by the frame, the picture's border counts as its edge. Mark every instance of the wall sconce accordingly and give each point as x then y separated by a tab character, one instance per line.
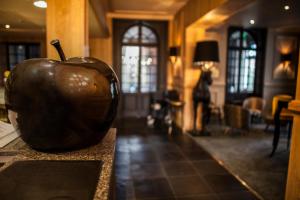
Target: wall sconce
205	56
174	54
285	68
285	60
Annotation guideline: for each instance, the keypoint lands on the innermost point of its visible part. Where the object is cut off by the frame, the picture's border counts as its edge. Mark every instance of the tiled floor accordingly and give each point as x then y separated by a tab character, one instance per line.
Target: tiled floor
152	165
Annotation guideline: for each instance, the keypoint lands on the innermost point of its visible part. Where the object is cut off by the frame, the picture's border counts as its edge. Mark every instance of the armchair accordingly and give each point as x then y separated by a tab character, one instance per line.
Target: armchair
236	117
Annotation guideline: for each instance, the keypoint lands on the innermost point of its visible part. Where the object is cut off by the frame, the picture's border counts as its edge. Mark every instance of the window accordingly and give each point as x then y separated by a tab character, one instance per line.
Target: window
242	64
16	53
139	60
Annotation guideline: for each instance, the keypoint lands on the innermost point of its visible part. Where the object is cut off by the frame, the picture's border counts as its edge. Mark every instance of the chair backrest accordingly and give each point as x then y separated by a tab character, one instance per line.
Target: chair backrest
172	95
254	103
282	97
236	116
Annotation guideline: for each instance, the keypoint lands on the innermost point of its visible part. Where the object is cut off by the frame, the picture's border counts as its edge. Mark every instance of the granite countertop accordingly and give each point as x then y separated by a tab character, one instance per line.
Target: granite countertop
103	151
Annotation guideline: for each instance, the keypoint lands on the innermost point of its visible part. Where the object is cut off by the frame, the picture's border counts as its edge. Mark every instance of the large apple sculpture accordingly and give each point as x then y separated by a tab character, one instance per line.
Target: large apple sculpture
62	105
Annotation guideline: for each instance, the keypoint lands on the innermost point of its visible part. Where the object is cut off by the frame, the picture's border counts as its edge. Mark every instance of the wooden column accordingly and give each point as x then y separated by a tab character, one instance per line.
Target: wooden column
67	20
293	181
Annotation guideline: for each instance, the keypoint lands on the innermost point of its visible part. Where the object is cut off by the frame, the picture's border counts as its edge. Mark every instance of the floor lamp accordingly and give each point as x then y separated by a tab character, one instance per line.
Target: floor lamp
205	56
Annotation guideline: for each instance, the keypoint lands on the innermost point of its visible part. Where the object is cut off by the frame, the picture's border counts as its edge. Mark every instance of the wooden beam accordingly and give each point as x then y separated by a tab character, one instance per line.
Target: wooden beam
100	8
139	15
67	20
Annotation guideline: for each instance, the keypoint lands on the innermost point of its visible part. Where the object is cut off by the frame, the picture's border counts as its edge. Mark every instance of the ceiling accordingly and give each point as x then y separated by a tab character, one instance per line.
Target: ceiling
23	16
269	14
167	7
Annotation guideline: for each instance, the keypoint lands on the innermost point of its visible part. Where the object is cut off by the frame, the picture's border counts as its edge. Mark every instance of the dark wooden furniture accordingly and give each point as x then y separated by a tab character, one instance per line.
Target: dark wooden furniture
278	117
236	117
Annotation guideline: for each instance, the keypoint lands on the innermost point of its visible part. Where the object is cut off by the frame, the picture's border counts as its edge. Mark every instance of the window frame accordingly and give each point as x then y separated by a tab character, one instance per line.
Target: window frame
27	45
259	36
140	44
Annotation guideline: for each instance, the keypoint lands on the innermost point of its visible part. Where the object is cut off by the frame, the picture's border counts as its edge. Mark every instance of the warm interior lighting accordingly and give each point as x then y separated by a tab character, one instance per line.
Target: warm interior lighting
205	65
286	7
173	59
40	4
7	26
174	54
285	66
252	21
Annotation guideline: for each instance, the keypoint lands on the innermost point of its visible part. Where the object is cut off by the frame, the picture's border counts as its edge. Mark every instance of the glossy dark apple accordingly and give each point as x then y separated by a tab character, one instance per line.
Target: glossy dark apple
62	105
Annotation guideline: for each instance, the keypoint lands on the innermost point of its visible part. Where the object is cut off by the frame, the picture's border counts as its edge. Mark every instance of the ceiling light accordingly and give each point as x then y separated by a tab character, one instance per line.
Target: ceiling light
40	4
252	21
286	7
7	26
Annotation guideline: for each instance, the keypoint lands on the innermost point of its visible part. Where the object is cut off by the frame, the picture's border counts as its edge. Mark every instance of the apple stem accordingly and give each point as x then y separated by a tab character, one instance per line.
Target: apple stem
58	48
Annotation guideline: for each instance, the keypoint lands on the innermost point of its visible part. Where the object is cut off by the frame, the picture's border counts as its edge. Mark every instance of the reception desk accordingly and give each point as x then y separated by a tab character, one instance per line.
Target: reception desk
102	152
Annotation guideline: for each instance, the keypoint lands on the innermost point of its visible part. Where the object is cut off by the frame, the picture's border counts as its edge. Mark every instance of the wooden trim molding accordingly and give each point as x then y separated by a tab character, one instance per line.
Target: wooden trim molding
140	15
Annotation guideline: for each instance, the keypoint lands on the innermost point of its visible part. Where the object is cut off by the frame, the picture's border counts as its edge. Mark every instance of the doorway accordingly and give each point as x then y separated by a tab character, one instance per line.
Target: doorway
140	60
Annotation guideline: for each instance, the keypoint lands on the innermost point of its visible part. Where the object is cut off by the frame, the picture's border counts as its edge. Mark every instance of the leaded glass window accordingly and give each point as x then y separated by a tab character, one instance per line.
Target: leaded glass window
241	63
139	60
19	52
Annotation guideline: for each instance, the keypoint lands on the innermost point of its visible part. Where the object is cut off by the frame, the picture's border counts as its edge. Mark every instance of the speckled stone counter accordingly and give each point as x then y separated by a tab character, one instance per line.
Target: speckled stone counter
103	151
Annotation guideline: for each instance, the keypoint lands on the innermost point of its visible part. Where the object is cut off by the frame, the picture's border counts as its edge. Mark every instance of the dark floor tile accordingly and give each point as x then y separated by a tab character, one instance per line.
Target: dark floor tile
185	143
143	157
188	186
146	171
179	169
209	167
238	195
168	156
152	188
224	183
122	148
122	158
182	138
138	140
124	189
202	197
122	171
197	155
140	174
166	147
139	147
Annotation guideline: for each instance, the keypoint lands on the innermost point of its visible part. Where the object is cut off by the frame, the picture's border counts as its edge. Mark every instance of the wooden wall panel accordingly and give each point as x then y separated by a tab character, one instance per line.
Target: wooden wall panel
101	48
186	36
293	181
67	20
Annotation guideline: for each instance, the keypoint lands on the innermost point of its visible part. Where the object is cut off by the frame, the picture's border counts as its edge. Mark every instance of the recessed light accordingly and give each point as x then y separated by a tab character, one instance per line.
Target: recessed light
40	4
252	21
7	26
286	7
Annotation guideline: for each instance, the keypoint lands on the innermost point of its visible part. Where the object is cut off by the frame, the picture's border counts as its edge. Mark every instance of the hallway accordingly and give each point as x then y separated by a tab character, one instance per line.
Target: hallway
153	165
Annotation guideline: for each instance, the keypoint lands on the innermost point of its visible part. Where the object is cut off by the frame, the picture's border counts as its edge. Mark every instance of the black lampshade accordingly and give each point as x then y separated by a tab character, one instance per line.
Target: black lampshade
286	57
206	51
174	51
